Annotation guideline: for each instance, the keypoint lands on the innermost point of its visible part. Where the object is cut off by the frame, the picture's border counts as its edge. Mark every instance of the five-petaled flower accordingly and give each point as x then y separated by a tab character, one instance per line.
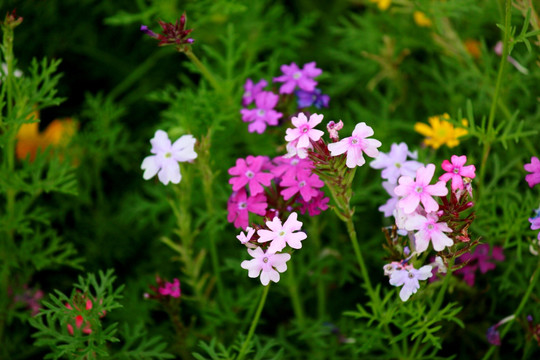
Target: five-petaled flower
355	145
408	278
303	133
282	235
266	264
249	172
293	77
171	289
455	170
165	161
429	229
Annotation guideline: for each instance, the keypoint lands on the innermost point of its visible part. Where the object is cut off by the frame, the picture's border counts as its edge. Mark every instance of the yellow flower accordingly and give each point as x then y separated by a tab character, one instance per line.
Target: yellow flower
30	140
382	4
441	131
421	19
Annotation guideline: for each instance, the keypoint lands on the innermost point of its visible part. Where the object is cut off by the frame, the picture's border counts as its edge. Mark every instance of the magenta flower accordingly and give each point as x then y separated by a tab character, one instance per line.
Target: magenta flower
303	133
266	264
282	235
291	167
293	76
456	170
355	145
395	163
171	289
534	168
251	91
317	204
409	278
165	161
248	172
306	185
416	191
480	259
263	114
429	230
240	204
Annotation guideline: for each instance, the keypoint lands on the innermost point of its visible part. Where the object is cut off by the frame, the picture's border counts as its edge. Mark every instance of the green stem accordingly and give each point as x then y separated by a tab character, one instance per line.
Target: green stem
489	136
204	71
295	296
244	348
363	269
532	282
321	287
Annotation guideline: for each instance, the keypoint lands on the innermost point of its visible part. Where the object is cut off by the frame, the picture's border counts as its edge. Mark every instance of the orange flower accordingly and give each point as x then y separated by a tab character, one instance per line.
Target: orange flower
473	47
441	131
30	140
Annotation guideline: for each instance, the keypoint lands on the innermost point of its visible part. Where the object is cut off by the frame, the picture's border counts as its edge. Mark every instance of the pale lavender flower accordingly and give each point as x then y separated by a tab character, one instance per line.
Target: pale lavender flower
395	163
283	234
409	278
355	145
389	207
165	161
429	230
263	114
266	264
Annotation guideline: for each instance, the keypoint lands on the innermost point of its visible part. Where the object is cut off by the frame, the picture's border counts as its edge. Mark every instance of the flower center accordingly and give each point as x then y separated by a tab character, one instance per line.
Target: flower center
301	184
410	275
355	141
419	189
265	259
398	165
430	227
294	162
281	233
305	128
168	155
250	174
297	75
242	205
314	97
261	112
456	170
247	94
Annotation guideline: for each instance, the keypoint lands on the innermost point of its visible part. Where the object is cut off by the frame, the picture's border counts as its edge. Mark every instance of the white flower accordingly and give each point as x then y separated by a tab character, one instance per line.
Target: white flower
165	161
408	278
266	264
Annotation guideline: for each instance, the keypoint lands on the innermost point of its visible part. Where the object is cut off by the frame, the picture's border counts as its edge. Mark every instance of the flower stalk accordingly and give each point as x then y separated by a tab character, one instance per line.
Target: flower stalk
254	323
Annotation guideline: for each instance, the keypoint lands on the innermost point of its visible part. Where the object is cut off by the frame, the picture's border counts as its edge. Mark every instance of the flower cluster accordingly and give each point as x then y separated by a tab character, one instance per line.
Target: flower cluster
166	157
441	132
81	306
164	290
481	259
260	105
172	34
418	214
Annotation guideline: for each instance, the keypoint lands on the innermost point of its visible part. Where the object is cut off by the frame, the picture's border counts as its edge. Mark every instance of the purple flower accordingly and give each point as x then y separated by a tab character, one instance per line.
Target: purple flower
293	77
409	277
493	336
455	170
480	259
534	168
263	114
249	172
266	264
251	91
309	98
171	289
239	206
395	163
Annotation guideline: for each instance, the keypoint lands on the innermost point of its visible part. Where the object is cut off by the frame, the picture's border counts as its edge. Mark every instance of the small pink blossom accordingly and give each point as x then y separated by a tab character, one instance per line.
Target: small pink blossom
171	289
249	172
304	184
414	192
263	114
455	170
282	235
429	230
293	77
291	167
245	238
266	264
409	278
317	204
303	133
534	168
333	129
481	259
251	91
240	205
355	145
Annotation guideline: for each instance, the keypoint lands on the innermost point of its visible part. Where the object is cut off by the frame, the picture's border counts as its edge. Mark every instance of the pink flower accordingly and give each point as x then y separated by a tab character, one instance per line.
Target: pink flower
333	129
291	167
264	113
251	91
304	132
429	229
293	76
165	161
305	184
282	235
355	145
248	172
456	170
408	278
171	289
245	238
239	205
480	259
419	190
534	168
266	264
317	204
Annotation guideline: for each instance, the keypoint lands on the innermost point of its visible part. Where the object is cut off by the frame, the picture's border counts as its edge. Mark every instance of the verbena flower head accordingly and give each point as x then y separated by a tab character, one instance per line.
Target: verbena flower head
429	229
171	289
441	131
303	133
409	278
249	172
414	192
252	90
284	234
312	98
266	264
240	205
395	163
293	77
356	145
173	34
481	260
263	114
305	184
534	168
455	170
166	157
